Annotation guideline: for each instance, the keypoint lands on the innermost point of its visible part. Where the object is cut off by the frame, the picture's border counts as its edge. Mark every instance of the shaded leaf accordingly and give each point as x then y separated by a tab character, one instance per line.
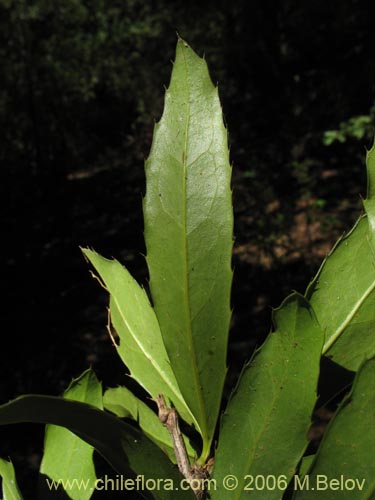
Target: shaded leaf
66	456
10	487
347	451
123	403
343	292
264	428
141	345
188	233
125	448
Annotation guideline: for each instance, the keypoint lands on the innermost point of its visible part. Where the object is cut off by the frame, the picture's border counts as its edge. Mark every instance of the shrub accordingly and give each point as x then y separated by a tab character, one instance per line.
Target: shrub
175	346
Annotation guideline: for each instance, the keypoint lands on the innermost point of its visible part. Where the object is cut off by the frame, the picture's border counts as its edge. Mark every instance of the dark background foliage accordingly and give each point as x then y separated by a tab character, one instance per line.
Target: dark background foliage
82	84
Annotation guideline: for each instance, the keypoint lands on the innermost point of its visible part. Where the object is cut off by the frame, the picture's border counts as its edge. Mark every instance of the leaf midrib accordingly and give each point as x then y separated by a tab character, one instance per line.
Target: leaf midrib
258	440
268	419
338	332
152	360
202	409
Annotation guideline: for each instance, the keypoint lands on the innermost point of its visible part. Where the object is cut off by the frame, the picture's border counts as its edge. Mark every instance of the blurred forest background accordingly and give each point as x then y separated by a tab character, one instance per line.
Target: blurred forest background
82	85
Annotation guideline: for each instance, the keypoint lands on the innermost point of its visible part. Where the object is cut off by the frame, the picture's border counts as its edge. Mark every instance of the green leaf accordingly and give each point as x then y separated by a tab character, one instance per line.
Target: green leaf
346	454
125	448
264	428
66	457
123	403
10	487
188	233
369	202
343	291
141	345
343	297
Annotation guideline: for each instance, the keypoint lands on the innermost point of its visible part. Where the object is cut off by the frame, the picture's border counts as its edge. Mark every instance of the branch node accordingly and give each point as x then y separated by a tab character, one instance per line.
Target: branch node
195	474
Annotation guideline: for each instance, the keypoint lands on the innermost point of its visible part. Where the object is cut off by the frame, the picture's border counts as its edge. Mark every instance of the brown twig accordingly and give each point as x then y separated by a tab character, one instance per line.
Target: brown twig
195	474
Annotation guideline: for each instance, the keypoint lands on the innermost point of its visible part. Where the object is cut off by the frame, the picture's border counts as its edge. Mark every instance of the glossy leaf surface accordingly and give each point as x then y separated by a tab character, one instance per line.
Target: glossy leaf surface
188	233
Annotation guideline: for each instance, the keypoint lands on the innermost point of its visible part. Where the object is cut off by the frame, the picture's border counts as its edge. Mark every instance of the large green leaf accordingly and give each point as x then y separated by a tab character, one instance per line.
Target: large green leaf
66	457
344	466
141	345
10	488
343	292
264	428
123	403
123	446
188	233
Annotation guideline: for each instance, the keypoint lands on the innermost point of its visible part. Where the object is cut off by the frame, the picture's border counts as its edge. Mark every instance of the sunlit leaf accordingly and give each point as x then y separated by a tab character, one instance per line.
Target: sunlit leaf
10	487
141	345
66	457
188	233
